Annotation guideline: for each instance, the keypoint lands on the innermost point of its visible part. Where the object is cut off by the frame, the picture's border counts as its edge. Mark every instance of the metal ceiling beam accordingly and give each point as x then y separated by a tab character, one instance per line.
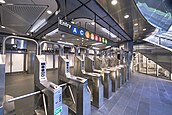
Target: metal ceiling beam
104	20
62	18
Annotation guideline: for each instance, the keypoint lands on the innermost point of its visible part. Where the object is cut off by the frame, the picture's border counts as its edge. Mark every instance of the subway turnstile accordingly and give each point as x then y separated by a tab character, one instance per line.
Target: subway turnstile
77	86
107	81
52	93
94	81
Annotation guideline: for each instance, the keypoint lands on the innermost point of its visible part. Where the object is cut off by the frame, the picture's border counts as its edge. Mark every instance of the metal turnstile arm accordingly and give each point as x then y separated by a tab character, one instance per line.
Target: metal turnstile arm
90	93
23	96
62	85
71	94
45	106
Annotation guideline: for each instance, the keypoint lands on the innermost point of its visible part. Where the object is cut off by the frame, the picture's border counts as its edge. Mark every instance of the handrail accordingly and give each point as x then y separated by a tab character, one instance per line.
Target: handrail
18	37
161	37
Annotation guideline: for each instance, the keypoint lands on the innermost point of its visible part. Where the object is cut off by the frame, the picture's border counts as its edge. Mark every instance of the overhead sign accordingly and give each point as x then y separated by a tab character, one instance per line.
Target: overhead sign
79	31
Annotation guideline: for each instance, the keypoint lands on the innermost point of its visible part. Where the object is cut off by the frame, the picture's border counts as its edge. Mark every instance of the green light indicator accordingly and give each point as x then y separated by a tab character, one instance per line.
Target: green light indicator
106	41
103	40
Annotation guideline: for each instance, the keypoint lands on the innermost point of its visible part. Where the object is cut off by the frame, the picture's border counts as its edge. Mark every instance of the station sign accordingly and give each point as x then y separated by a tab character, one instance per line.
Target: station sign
79	31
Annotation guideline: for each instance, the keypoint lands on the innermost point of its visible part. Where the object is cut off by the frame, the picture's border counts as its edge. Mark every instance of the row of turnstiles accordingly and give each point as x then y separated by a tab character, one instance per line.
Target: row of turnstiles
93	80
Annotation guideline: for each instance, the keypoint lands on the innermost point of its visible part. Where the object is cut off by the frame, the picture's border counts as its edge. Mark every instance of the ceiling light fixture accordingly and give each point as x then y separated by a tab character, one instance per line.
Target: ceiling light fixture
72	22
108	32
27	34
62	35
93	23
65	43
49	12
2	1
14	33
144	29
57	12
96	44
44	37
114	2
38	25
95	48
2	27
77	39
107	47
82	38
60	38
52	32
136	24
126	16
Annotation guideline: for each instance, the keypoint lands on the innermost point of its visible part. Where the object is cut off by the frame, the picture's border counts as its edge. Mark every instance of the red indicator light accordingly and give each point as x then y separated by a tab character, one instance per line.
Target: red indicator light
100	39
96	38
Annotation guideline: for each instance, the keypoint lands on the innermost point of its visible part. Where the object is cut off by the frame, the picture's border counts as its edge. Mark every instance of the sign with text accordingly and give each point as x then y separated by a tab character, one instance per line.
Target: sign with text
79	31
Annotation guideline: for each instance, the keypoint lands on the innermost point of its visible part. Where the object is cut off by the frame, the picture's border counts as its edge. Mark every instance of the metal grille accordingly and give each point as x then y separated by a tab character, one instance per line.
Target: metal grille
29	13
19	18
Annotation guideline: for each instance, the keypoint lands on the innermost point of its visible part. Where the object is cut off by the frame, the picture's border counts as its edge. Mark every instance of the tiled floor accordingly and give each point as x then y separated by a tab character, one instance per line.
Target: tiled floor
142	95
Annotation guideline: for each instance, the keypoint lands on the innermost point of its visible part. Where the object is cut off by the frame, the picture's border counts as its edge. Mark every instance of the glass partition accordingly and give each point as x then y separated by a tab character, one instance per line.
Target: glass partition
144	65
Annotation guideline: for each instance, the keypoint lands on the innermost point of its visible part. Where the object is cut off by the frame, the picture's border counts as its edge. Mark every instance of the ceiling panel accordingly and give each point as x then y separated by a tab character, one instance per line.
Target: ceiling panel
20	15
28	13
122	8
92	5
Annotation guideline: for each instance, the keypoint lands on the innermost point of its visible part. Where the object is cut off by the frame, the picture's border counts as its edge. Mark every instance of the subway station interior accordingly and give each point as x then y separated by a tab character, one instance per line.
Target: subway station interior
86	57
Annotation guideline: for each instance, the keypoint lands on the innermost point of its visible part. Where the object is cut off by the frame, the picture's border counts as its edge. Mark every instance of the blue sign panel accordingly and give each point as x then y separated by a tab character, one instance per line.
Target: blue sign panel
74	30
81	32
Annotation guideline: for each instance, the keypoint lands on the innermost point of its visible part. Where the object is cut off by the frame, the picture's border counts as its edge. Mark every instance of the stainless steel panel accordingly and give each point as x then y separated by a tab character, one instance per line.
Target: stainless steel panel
107	82
79	87
30	62
94	81
113	75
119	78
53	93
98	63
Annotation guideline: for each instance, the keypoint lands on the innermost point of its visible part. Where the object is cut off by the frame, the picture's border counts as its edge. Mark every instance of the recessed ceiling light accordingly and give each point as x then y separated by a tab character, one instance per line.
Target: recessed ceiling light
82	38
57	12
2	1
9	4
107	47
27	34
49	11
3	27
72	22
136	24
60	38
77	39
126	16
94	44
62	35
144	29
14	33
93	23
114	2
